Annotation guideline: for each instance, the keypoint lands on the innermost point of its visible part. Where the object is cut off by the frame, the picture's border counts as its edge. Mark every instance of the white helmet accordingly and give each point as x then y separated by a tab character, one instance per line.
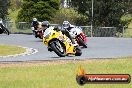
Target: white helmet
66	24
34	19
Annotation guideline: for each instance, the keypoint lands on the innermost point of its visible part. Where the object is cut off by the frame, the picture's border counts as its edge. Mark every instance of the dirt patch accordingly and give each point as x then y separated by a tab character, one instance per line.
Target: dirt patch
41	63
54	62
33	63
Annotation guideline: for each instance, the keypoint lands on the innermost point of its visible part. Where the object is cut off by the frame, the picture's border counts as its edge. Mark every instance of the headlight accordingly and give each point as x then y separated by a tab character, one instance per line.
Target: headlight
47	35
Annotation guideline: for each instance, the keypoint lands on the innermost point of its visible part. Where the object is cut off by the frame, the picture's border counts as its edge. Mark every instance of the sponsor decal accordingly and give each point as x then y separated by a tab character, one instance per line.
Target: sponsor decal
83	78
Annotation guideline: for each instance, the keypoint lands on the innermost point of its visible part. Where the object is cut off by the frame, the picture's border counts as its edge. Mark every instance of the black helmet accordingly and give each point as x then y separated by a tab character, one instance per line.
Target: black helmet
46	23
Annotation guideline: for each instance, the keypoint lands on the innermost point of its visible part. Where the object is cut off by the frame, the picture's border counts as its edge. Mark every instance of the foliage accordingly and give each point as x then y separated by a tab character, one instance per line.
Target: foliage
41	9
4	8
15	4
106	12
70	15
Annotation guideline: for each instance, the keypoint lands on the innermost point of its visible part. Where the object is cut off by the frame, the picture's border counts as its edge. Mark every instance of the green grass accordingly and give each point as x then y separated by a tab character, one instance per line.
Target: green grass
62	74
10	50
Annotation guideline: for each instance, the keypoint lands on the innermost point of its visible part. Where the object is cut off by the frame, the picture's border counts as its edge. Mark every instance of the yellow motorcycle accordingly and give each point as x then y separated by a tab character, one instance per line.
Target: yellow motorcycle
59	43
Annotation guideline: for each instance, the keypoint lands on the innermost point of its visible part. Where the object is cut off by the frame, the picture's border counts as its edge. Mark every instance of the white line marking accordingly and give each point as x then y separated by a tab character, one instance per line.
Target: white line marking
29	51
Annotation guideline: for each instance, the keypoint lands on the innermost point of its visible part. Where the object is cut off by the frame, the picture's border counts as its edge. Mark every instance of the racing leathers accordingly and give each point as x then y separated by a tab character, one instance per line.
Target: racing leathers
34	26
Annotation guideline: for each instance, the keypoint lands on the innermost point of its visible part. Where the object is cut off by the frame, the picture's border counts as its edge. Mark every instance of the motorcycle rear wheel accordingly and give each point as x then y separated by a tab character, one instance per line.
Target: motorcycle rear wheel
6	31
82	42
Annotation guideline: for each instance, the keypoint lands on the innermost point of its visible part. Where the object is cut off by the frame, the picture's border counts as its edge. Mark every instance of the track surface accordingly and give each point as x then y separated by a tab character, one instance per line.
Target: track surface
100	47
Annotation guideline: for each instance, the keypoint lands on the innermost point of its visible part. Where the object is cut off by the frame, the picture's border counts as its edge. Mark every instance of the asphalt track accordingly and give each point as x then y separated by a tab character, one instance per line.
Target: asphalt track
98	47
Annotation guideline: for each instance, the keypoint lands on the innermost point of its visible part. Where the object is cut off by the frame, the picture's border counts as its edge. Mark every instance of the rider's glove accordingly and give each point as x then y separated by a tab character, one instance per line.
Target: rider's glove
32	28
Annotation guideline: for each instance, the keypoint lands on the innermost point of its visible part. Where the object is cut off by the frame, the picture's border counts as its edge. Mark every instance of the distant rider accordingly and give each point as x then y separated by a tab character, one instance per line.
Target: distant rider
34	26
2	26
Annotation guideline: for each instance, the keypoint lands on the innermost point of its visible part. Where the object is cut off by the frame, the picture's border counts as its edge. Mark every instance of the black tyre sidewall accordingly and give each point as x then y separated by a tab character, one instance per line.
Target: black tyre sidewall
78	51
82	42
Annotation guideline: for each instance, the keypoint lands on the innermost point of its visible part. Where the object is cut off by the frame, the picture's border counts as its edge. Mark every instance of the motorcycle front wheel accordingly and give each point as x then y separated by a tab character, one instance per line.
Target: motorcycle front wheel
58	48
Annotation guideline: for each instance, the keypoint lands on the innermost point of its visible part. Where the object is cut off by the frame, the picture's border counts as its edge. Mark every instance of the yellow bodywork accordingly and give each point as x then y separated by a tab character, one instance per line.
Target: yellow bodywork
59	36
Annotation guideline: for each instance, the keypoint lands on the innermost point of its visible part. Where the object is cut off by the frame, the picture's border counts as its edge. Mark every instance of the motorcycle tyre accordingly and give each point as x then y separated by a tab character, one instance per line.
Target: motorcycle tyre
6	31
82	43
53	46
78	51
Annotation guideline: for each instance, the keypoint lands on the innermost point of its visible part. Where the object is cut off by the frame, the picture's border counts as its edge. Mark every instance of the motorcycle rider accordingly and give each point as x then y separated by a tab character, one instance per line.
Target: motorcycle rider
65	30
66	27
45	25
34	26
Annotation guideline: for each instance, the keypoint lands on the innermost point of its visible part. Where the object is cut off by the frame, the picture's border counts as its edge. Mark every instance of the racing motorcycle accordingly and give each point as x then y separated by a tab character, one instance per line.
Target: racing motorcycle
39	33
79	36
60	43
4	30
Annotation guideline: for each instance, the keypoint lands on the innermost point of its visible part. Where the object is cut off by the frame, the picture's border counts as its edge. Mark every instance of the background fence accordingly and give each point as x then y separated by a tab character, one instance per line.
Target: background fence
25	27
19	27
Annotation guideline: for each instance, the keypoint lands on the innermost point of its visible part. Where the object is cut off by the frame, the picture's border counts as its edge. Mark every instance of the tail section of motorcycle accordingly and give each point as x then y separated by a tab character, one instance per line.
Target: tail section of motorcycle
81	40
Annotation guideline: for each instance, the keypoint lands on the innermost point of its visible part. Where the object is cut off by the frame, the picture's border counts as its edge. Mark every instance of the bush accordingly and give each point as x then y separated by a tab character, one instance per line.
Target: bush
70	15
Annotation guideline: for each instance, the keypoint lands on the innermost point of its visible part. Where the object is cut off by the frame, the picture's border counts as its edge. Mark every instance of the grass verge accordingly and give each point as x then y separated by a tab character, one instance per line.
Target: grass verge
10	50
61	74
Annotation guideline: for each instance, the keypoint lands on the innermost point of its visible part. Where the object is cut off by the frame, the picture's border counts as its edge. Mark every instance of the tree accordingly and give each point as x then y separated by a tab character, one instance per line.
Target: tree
15	4
106	12
70	15
41	9
4	8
